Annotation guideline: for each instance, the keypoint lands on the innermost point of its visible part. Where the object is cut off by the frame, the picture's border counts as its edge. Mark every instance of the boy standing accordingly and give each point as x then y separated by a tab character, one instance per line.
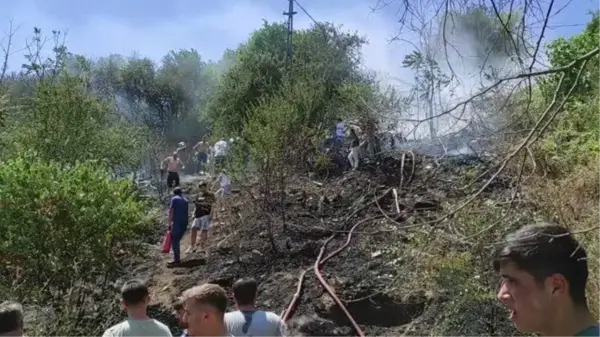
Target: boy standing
544	273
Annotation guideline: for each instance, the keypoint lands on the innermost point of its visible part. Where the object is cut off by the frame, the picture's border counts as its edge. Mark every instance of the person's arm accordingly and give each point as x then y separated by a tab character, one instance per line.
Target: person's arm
171	213
195	148
162	163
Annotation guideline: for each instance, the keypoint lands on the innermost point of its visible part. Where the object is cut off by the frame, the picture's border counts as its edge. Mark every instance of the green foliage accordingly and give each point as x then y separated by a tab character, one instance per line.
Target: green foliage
563	51
573	138
60	225
67	123
325	59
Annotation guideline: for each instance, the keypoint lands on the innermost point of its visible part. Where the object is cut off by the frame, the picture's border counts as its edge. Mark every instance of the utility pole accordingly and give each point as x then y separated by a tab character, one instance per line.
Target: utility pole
290	29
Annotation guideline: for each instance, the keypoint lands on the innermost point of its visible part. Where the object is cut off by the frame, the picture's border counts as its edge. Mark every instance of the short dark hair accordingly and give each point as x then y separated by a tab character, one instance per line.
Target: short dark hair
244	291
134	292
211	294
177	190
543	250
11	317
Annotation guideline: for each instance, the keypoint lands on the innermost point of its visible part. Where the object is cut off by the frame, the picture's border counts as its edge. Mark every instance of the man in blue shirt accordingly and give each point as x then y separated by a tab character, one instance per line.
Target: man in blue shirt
178	221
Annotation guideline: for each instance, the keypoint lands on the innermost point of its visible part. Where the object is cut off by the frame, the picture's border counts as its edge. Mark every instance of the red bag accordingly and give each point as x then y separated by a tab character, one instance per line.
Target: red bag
166	244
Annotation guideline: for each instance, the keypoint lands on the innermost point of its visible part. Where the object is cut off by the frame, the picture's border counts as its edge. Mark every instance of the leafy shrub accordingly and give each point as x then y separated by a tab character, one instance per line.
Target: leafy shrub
61	229
65	122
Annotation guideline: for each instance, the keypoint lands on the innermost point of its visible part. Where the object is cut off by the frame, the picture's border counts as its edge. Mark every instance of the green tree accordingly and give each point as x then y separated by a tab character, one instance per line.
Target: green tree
65	122
323	56
563	51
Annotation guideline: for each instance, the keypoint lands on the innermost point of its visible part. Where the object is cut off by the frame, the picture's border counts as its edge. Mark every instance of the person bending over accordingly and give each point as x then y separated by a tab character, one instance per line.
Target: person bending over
178	221
135	298
544	272
353	157
247	320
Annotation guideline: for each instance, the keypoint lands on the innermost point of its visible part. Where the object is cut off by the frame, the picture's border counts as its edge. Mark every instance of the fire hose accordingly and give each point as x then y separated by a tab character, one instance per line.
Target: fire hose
317	266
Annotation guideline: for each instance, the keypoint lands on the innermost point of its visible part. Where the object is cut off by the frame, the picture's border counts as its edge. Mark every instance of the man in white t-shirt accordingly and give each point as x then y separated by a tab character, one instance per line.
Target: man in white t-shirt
220	153
135	298
247	320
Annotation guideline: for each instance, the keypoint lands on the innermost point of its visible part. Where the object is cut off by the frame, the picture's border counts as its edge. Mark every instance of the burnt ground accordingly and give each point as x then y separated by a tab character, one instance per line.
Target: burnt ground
313	211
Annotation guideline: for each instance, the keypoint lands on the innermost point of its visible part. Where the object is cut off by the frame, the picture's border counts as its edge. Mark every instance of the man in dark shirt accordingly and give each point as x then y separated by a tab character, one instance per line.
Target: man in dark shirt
202	216
178	221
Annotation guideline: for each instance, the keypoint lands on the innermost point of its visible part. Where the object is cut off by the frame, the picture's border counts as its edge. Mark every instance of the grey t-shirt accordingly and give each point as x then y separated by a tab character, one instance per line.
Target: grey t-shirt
131	328
254	323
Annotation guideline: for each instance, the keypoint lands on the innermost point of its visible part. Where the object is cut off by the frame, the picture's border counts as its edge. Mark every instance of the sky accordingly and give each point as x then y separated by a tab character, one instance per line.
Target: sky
153	27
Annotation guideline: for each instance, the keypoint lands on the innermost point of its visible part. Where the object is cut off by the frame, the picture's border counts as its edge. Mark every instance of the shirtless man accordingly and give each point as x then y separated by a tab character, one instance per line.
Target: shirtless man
201	150
174	165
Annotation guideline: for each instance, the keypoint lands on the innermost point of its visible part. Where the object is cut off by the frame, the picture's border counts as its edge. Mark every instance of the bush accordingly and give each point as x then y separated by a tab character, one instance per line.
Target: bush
65	122
61	228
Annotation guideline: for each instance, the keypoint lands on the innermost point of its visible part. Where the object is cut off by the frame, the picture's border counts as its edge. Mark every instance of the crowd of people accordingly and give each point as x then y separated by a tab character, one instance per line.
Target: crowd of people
204	154
543	274
217	154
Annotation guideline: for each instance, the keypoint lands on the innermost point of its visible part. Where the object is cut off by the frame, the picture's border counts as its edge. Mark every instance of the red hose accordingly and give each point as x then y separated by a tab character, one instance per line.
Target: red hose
357	328
287	314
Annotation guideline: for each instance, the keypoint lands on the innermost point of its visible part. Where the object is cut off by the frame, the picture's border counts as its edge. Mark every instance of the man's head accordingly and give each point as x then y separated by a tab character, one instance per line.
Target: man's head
177	191
244	291
339	120
544	273
11	319
205	307
179	309
135	295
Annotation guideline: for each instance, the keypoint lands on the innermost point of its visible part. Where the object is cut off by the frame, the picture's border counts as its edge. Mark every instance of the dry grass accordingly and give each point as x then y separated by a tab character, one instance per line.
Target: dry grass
572	201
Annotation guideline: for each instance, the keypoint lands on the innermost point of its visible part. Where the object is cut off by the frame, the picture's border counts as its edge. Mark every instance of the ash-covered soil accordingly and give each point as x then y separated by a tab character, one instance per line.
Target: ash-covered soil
310	211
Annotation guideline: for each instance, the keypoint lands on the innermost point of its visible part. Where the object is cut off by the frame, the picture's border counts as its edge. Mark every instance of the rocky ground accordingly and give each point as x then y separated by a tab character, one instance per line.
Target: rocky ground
311	211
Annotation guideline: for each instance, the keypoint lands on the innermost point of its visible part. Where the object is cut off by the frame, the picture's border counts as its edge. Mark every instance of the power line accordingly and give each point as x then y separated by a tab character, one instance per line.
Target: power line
307	14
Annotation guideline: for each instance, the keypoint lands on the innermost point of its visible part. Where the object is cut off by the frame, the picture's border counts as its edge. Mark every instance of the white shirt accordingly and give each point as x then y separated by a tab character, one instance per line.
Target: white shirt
224	180
220	148
339	129
135	328
254	323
